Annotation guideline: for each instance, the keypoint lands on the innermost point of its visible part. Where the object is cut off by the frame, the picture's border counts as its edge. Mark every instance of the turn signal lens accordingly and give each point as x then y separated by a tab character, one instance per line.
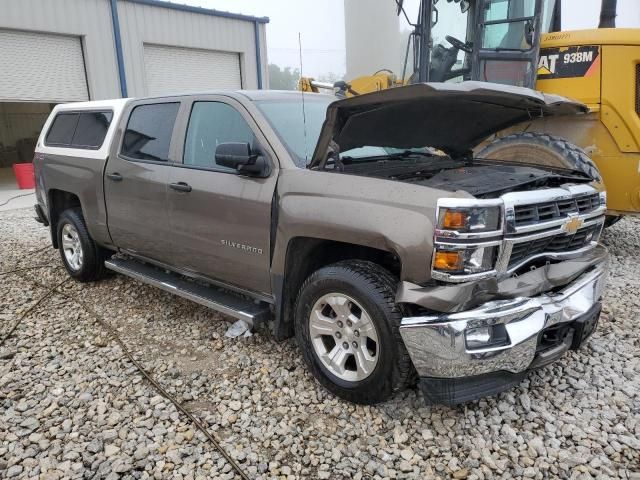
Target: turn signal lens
465	261
454	220
451	261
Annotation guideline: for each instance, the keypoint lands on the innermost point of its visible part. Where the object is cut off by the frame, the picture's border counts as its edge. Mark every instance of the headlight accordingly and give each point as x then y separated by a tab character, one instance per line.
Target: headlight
467	238
470	219
465	260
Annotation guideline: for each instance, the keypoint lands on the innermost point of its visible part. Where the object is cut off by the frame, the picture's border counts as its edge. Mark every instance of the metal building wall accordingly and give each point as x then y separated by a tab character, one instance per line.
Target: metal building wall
88	19
141	23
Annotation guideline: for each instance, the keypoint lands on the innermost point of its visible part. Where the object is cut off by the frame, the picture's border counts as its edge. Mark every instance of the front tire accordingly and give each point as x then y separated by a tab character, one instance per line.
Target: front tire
347	327
83	259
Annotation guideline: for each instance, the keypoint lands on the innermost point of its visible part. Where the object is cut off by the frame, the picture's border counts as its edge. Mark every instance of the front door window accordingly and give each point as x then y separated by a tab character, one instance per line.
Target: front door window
210	124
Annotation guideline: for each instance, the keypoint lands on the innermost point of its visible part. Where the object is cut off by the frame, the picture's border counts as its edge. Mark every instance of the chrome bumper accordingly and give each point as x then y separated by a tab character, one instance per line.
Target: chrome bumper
438	347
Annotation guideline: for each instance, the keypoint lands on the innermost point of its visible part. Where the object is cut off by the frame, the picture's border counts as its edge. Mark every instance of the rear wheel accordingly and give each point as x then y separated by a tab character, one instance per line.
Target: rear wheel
541	149
83	259
346	323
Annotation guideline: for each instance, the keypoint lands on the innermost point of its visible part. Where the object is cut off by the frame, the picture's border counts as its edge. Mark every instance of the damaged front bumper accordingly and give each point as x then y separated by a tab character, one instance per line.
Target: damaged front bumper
469	354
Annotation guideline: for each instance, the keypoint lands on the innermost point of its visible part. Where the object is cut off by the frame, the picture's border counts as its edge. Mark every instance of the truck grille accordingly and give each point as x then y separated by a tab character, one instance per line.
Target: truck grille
554	244
547	211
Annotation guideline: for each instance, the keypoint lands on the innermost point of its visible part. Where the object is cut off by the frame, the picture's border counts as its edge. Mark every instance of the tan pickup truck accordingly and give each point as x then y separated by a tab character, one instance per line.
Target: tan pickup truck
364	227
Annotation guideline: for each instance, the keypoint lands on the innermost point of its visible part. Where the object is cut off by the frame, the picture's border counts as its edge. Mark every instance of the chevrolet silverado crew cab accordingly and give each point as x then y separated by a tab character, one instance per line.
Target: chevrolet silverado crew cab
365	227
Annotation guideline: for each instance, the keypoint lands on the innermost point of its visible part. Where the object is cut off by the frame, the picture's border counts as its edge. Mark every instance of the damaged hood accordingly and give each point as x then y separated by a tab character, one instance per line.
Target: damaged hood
451	117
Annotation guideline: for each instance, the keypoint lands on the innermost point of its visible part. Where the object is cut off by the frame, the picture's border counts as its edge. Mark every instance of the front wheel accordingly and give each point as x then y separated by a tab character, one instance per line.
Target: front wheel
346	323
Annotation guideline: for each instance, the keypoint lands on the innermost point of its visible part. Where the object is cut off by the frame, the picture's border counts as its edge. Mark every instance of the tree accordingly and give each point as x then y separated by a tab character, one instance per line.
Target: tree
283	79
330	77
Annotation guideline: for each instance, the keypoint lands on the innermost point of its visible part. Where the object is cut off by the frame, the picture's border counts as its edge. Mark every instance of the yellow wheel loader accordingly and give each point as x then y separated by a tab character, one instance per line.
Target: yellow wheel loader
520	43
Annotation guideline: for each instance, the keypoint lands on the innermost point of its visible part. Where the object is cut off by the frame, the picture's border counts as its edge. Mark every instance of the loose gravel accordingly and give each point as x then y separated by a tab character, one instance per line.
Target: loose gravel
73	406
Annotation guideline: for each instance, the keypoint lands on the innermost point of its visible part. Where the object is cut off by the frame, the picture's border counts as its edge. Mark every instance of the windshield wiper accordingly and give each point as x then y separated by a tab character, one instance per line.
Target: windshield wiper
387	156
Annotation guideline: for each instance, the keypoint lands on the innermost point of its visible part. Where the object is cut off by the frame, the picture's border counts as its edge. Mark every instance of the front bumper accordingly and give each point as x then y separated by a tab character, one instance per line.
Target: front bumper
440	352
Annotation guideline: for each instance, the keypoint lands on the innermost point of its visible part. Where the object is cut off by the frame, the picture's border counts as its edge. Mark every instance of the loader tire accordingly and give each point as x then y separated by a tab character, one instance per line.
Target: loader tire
541	149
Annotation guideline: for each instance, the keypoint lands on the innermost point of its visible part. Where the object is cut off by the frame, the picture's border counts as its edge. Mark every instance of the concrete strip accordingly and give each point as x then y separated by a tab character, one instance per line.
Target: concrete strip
14	199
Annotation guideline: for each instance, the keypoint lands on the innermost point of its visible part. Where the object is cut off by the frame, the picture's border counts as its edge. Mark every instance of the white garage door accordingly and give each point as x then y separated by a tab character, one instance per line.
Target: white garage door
176	70
41	67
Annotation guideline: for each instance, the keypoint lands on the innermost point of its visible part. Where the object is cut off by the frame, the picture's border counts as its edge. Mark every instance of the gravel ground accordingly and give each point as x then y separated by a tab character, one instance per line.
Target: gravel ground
72	405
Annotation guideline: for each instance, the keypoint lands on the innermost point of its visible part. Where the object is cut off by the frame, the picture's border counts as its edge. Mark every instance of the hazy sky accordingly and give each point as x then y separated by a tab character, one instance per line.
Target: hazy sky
321	25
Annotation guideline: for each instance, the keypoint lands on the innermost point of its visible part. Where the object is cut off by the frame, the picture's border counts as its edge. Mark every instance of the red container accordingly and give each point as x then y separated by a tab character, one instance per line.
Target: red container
24	175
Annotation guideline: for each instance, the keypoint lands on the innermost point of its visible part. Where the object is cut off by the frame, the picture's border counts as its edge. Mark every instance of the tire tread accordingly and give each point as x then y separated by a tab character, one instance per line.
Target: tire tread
93	267
383	286
575	155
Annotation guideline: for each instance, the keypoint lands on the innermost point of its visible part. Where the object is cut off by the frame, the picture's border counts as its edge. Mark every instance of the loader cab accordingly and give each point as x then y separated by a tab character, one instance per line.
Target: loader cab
487	40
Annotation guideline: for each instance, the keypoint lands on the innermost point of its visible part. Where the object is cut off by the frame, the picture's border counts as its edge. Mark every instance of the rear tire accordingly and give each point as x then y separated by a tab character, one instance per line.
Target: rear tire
364	368
541	149
83	259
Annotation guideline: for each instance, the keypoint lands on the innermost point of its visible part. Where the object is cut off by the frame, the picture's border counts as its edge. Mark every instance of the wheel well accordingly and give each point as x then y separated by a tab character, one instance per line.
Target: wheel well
305	256
59	201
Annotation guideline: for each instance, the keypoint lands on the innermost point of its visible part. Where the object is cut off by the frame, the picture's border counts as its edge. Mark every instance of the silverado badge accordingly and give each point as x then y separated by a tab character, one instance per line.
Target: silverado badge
241	246
572	224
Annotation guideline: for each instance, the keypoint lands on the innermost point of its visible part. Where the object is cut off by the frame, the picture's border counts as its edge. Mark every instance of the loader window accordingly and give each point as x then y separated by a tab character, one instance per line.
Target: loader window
507	24
506	72
448	62
506	36
508	9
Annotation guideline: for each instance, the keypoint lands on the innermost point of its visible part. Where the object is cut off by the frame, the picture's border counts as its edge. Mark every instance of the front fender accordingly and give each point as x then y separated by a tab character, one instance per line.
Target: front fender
383	214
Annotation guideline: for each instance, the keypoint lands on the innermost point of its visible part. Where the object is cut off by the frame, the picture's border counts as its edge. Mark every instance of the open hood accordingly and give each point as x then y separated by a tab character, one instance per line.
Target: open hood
452	117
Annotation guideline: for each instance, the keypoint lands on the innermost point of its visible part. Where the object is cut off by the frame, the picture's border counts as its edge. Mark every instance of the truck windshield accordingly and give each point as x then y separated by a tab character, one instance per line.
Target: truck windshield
300	131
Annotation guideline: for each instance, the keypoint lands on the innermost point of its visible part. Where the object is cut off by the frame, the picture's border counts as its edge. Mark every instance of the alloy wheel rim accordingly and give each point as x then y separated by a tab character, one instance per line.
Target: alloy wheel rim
344	337
72	247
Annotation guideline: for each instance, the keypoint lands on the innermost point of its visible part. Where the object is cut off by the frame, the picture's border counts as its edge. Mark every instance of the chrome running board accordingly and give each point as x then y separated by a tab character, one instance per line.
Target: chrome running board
217	299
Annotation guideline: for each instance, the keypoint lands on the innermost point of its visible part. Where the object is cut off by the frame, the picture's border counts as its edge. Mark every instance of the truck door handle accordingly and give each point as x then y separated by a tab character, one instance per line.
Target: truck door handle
180	186
115	176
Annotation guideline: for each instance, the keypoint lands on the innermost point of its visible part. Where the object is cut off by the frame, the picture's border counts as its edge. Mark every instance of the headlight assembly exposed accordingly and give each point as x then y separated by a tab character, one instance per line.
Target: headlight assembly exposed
469	219
467	239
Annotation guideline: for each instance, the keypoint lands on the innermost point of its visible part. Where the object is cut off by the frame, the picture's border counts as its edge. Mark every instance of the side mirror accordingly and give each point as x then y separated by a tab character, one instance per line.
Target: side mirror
238	156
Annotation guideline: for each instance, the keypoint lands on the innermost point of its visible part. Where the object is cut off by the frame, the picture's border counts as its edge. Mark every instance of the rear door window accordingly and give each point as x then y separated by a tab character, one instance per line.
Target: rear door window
79	129
149	130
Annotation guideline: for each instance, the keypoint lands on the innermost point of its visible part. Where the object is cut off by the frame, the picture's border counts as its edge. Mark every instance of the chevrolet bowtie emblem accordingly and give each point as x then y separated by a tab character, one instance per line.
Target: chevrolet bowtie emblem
573	224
